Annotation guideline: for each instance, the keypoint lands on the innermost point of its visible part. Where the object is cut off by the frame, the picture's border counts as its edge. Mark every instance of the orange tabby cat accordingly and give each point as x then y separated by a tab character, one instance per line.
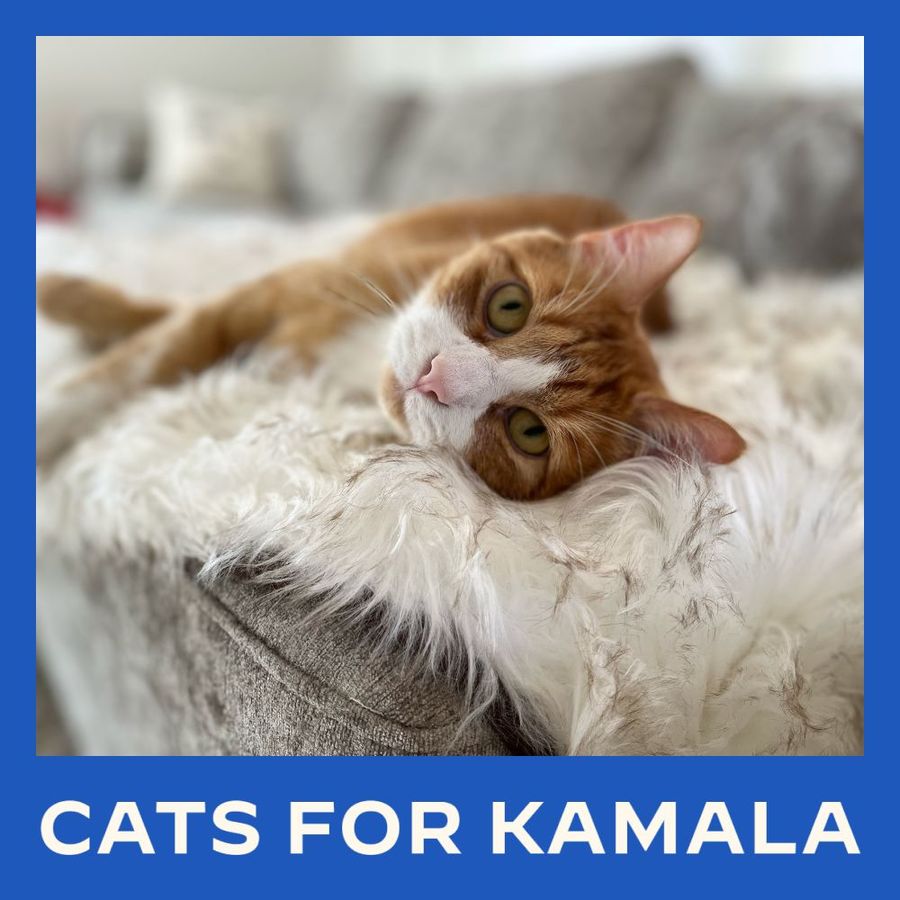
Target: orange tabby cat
516	341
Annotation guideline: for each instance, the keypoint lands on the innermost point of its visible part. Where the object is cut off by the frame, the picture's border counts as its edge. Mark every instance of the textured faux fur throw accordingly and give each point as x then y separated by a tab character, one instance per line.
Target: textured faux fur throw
655	609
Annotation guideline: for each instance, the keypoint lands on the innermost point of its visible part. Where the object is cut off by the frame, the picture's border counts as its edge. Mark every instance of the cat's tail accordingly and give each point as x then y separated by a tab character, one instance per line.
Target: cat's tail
102	313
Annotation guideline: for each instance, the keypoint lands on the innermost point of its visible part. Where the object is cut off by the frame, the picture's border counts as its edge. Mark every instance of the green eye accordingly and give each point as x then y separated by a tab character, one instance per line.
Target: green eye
508	308
528	432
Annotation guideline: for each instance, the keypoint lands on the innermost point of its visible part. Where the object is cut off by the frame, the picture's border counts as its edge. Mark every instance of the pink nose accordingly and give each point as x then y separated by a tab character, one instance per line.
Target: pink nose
434	381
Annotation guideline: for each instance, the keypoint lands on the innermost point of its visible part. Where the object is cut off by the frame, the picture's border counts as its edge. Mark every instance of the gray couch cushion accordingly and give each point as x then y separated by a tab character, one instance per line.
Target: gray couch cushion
778	181
337	147
585	134
144	660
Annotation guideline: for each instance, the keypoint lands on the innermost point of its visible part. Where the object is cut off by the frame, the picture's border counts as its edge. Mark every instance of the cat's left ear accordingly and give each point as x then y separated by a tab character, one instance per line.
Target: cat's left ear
685	431
639	257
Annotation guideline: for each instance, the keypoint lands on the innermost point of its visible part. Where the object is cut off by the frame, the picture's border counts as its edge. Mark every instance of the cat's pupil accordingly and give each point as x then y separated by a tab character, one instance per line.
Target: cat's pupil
512	304
535	430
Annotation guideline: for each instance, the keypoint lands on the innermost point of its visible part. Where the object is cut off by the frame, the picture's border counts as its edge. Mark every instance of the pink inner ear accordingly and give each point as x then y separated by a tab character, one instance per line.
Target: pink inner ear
687	431
642	255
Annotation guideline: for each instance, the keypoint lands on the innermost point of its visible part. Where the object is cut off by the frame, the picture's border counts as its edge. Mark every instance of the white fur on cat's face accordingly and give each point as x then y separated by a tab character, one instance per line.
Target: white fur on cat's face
425	329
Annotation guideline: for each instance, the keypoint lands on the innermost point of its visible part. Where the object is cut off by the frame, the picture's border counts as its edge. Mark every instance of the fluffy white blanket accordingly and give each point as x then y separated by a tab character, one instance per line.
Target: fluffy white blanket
653	610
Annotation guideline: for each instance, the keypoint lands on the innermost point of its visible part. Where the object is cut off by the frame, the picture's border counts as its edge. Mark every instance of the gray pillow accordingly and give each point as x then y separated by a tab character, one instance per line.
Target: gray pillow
113	149
777	180
337	146
584	134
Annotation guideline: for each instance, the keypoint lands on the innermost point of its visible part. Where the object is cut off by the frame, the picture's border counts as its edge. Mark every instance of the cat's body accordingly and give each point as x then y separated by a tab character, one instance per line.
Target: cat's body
516	338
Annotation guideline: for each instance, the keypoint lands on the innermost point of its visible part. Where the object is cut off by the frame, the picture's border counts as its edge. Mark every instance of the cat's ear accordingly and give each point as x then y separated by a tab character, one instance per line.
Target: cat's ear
685	431
639	257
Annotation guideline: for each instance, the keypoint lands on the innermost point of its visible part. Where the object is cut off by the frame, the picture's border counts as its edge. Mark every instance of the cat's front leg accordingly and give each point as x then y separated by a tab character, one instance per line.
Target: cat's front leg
72	407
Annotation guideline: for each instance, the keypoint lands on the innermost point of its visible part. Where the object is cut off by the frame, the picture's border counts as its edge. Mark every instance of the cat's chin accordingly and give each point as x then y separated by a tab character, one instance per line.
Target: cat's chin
392	395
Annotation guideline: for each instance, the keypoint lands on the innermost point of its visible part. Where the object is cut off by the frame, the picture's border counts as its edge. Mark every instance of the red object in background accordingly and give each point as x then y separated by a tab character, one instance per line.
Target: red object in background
53	206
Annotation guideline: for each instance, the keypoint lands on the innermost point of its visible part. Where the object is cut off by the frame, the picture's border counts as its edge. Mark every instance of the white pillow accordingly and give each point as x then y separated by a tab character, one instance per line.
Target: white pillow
203	143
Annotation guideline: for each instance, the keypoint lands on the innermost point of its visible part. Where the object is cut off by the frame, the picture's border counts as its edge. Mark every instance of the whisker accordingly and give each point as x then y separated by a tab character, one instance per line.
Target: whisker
406	276
571	438
379	292
626	429
612	274
571	271
574	428
589	289
622	426
351	301
573	262
592	289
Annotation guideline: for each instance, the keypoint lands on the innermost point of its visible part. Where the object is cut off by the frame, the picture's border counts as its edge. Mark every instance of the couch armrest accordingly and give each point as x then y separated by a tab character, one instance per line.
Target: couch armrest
145	660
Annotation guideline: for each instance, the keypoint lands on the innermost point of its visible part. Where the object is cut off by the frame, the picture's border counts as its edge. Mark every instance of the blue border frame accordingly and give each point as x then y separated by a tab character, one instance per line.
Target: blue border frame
793	787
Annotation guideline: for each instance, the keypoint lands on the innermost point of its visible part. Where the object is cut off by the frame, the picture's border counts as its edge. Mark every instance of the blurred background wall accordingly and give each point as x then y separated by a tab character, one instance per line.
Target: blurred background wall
78	78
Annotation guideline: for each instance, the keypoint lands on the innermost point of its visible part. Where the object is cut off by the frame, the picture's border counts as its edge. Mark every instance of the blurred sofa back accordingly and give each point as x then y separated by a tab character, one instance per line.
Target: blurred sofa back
777	179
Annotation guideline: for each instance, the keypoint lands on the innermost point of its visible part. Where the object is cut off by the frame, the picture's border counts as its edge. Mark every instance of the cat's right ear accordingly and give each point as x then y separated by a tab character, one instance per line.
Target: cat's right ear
639	257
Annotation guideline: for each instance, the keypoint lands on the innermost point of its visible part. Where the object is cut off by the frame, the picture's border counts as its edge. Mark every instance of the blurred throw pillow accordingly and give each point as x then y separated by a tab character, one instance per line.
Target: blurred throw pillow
205	144
583	133
338	146
777	180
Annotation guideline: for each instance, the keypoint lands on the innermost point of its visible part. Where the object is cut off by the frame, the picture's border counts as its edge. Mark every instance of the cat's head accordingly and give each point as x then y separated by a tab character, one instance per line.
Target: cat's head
526	355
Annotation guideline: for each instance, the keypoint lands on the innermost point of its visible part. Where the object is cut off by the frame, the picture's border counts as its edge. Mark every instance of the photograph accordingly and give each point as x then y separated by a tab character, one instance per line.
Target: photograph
462	396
